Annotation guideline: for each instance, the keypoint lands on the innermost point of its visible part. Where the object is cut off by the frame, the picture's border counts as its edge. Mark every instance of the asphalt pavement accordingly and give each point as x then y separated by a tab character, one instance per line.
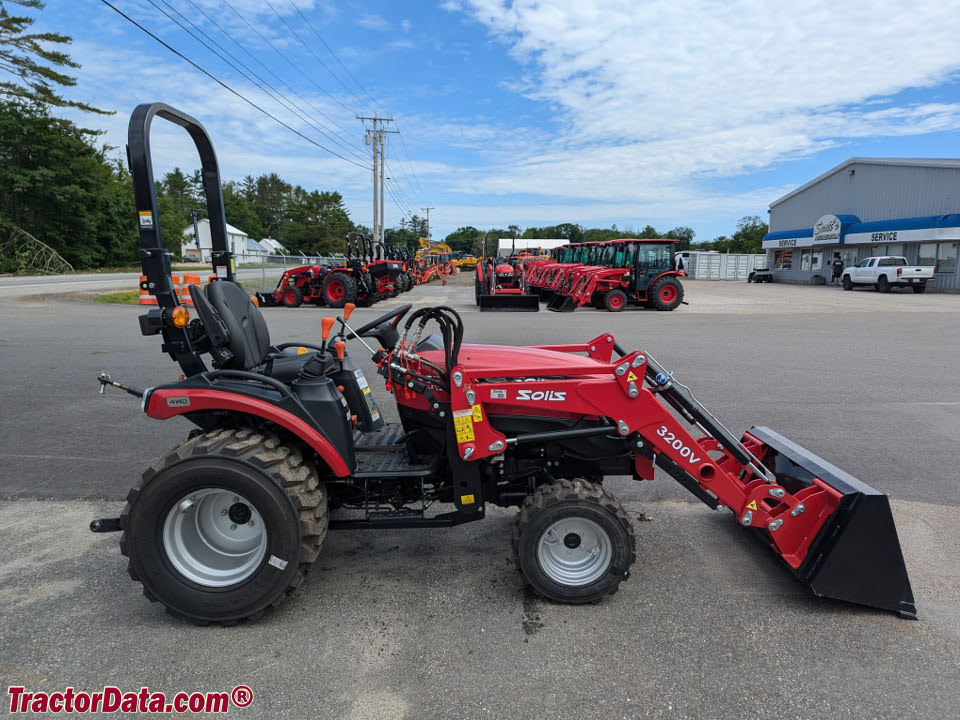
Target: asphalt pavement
437	623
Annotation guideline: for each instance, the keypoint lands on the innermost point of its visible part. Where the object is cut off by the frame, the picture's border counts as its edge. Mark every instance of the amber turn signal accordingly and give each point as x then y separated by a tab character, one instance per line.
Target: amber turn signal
180	316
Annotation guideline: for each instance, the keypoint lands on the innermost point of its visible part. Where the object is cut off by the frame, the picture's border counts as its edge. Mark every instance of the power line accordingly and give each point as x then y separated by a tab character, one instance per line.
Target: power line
260	63
227	87
310	25
279	97
290	63
296	35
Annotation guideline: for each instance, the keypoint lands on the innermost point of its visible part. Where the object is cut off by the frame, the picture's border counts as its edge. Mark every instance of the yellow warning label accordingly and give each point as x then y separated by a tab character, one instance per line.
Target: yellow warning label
464	428
752	505
631	377
477	414
466	499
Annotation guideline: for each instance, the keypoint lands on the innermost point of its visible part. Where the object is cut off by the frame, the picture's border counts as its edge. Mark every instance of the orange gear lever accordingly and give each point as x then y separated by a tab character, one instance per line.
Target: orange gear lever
347	309
340	347
326	325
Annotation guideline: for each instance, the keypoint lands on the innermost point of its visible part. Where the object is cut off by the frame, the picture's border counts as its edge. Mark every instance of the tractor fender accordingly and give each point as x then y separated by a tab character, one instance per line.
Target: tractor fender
673	273
165	403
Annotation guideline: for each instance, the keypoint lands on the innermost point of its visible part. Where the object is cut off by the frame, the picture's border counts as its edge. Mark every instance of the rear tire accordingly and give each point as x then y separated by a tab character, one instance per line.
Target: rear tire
665	294
847	283
339	289
919	288
883	285
292	296
574	542
224	527
615	300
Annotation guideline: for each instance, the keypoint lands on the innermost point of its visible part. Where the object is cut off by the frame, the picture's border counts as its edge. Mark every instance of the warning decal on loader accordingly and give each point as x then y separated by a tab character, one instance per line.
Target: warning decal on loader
146	219
631	377
477	414
752	505
463	425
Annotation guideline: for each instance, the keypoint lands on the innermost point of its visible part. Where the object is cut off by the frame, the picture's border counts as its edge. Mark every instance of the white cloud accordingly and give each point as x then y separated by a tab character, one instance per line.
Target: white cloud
373	22
653	96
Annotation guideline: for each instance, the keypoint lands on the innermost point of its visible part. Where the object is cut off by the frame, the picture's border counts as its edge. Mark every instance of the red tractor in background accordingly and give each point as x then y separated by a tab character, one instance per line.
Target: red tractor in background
557	278
626	272
499	284
353	282
296	286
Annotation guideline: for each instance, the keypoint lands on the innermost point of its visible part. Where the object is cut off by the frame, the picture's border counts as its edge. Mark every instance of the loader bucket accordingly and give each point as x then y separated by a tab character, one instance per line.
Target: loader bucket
856	556
546	295
562	303
266	299
509	302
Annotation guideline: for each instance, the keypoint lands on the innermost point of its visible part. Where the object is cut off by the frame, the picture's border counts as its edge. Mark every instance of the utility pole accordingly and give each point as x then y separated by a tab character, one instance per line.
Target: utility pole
427	211
374	138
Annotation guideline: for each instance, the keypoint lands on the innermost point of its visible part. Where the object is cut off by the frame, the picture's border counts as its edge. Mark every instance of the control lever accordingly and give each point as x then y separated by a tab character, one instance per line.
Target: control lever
105	380
326	324
340	347
347	309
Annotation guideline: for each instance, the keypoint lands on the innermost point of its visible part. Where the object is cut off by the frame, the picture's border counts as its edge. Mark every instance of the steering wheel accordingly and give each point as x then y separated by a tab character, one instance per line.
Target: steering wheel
395	315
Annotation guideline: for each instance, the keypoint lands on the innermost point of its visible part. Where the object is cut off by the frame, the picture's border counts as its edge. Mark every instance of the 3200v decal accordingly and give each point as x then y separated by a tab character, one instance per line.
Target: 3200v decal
677	444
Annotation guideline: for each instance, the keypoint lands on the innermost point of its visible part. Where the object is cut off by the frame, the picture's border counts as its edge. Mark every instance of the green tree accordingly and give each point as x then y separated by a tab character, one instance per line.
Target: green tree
683	237
34	66
748	237
317	223
60	187
465	239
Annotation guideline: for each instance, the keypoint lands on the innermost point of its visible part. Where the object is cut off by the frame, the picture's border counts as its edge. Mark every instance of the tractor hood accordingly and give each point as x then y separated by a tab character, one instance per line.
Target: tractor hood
510	359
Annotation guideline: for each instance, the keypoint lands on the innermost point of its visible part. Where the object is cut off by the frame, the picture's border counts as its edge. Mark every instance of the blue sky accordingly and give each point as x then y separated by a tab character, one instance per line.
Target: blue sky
538	112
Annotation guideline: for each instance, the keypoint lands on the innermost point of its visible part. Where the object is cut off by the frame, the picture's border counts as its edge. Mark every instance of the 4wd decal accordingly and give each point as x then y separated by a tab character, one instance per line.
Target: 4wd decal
554	395
178	402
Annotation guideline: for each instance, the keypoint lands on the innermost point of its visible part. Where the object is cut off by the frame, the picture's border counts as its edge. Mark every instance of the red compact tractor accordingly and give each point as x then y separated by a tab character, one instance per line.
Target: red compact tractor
499	285
353	282
296	286
225	525
624	272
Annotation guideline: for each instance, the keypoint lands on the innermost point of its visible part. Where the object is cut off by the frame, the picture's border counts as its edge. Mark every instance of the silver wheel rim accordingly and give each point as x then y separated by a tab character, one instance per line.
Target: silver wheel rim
205	542
574	552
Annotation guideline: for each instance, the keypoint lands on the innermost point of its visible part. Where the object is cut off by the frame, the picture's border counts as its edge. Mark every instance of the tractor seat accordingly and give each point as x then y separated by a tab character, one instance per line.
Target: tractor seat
238	333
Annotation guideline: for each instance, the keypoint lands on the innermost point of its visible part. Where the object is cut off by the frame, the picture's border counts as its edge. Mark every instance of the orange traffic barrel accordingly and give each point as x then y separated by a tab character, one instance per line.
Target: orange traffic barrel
145	297
188	280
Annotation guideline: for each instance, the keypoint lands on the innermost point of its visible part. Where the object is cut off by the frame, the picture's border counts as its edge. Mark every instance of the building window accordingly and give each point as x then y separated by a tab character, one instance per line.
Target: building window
805	260
942	256
816	261
783	260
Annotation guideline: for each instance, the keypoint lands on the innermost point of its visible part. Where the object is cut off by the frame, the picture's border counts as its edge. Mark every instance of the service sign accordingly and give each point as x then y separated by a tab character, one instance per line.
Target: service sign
827	231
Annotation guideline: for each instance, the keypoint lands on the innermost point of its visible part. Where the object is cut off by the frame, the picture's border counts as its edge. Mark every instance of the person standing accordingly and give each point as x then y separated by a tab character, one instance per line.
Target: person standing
837	269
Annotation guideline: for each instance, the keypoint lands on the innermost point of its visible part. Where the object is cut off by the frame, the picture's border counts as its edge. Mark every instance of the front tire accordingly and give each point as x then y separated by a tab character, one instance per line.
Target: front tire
292	296
224	527
615	300
847	283
574	542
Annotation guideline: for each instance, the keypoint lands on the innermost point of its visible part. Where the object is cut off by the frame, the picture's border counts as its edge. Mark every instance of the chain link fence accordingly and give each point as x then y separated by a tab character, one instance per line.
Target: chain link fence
270	268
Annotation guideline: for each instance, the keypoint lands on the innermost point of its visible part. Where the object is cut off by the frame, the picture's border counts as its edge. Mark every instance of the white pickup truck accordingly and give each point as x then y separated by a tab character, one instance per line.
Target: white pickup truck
885	272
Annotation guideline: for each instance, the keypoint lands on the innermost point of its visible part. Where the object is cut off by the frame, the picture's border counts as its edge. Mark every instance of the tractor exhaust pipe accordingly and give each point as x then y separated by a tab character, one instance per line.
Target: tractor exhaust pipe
856	556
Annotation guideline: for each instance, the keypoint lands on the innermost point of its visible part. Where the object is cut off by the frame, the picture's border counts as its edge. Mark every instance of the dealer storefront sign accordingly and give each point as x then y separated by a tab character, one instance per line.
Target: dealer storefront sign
827	231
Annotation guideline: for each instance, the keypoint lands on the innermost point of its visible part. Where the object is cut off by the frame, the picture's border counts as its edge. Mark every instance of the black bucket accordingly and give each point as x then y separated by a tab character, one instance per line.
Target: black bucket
509	302
562	303
856	556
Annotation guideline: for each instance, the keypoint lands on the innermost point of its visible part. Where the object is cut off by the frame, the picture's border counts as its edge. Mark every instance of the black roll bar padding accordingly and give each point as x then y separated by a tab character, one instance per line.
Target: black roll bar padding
155	263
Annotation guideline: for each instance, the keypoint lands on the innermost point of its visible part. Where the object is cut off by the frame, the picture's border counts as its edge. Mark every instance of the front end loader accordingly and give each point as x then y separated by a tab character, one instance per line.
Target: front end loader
225	525
499	285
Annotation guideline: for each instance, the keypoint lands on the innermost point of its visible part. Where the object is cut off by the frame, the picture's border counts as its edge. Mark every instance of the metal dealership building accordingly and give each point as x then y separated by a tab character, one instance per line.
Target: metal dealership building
866	207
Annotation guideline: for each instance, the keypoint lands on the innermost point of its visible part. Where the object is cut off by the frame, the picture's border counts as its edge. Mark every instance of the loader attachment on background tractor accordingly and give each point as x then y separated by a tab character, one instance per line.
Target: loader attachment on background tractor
561	303
509	301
